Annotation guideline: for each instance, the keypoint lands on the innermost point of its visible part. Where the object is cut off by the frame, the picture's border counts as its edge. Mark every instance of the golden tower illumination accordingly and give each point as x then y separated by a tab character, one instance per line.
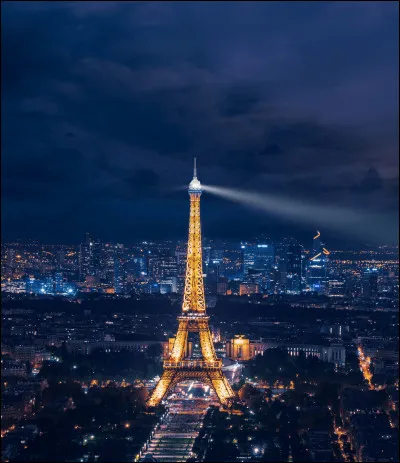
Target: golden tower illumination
177	367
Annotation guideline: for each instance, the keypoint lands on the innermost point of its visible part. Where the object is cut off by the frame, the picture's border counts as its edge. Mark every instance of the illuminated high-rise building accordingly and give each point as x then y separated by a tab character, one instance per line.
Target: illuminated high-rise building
248	256
91	258
289	265
194	320
8	261
293	268
60	259
108	263
180	254
317	272
263	264
162	265
58	283
119	269
86	258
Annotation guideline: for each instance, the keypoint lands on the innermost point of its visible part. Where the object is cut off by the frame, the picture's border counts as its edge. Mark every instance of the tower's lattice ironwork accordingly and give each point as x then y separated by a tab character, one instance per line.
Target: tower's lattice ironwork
177	368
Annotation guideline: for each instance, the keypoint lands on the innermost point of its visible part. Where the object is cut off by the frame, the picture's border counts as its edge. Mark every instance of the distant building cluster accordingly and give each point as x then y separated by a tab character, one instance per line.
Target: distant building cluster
260	267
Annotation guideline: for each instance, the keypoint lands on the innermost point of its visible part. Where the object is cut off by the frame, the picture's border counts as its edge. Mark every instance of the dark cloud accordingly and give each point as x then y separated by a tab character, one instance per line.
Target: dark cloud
141	182
372	181
239	102
110	102
271	149
37	176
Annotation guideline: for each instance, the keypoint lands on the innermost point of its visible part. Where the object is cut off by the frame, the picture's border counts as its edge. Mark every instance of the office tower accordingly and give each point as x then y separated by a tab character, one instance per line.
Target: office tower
109	263
212	277
58	283
169	273
91	258
369	284
86	258
206	257
135	266
60	259
263	263
119	269
317	274
8	261
162	265
304	264
248	253
169	267
293	268
98	259
279	270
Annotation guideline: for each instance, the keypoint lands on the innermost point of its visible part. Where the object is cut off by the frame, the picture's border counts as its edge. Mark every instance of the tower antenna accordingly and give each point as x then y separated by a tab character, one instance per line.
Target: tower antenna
195	169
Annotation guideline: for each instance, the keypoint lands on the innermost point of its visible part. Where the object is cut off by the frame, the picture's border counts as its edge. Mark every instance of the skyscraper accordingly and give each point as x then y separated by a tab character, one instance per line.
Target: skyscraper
180	254
60	259
109	261
369	285
317	274
293	268
263	263
162	265
119	269
58	283
86	258
8	261
248	253
90	258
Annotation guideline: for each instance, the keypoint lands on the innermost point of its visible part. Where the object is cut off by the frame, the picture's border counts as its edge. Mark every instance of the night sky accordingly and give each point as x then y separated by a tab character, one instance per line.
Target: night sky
105	104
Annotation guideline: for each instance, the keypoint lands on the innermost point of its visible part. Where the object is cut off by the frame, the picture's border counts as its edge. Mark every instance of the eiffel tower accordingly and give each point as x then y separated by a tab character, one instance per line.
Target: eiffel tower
177	367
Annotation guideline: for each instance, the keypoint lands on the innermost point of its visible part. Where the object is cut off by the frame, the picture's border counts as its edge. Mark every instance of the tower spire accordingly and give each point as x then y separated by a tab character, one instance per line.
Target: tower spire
195	185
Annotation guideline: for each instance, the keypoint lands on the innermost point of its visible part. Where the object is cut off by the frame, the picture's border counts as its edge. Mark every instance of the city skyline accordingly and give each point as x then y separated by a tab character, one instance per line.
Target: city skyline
99	128
199	257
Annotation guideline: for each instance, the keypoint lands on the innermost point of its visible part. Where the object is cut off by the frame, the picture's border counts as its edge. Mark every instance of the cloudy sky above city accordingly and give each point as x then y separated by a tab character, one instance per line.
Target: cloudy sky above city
105	104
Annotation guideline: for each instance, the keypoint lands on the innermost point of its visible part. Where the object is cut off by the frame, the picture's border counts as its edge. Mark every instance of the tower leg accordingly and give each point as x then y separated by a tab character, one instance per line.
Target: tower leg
206	343
221	387
165	383
180	343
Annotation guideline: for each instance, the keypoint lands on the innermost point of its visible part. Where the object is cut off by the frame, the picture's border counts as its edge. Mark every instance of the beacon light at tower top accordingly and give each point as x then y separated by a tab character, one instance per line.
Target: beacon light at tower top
195	185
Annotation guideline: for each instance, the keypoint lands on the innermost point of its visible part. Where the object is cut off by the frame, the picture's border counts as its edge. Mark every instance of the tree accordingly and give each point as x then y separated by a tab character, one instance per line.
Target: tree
222	452
328	393
251	396
113	450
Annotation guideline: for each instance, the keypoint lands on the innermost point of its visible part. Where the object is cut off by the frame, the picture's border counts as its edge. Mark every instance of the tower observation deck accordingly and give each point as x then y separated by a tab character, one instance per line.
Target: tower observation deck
177	367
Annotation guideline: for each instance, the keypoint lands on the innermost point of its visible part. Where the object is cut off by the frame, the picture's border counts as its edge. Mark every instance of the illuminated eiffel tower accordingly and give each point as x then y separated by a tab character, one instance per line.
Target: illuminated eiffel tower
177	367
